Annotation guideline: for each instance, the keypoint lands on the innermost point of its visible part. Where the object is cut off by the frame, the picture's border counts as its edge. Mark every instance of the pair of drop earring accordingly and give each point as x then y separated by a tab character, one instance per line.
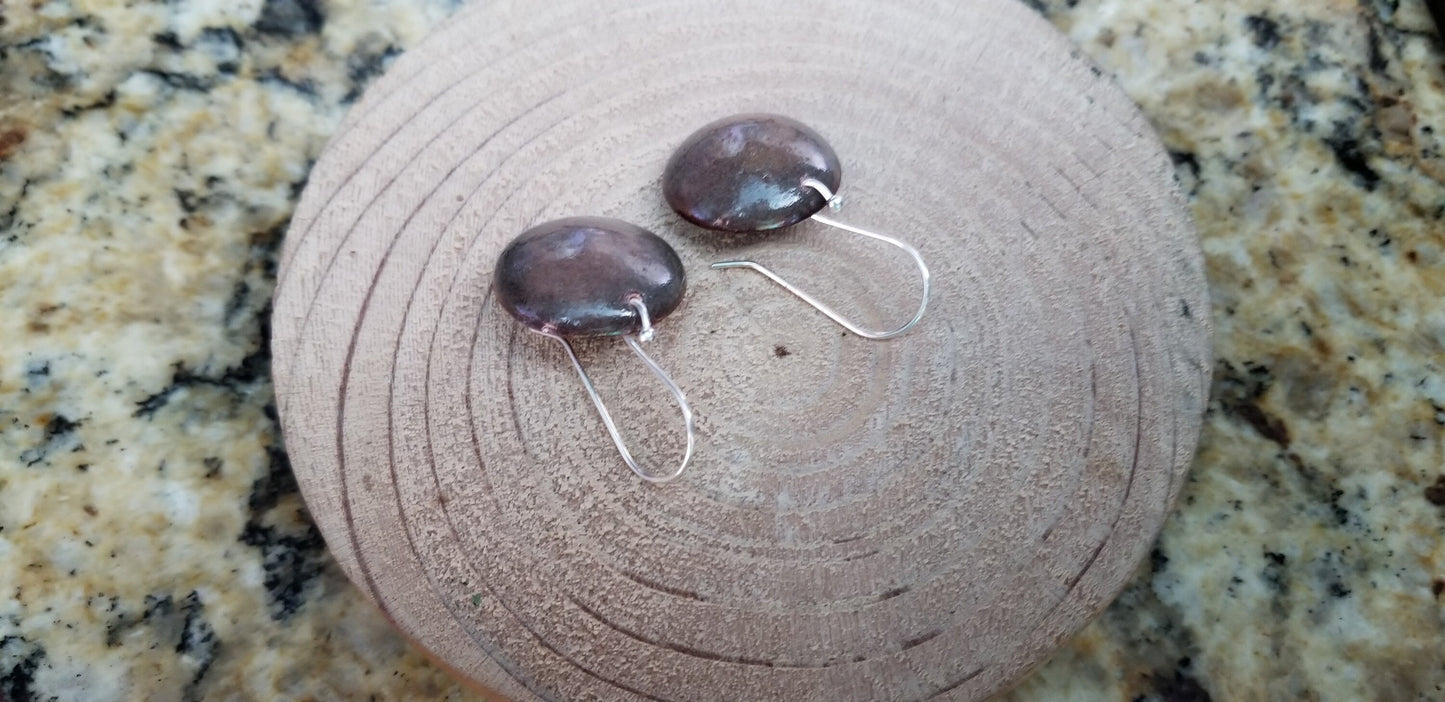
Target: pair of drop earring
596	276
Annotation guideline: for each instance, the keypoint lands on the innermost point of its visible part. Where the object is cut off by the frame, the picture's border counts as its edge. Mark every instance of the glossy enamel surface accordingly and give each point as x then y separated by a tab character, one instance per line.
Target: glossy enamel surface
745	173
576	276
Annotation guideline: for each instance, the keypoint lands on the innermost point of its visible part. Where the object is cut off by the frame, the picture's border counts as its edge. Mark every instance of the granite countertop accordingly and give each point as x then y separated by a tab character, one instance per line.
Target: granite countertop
152	541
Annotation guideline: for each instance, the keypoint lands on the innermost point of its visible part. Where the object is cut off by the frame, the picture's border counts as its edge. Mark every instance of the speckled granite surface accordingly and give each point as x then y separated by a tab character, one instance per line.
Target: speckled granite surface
153	546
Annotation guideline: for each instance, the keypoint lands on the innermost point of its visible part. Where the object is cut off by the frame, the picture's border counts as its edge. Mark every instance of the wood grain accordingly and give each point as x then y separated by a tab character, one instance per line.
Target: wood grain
918	519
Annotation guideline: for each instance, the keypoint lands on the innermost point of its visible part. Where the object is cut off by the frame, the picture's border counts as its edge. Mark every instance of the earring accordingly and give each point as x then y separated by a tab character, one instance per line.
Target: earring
594	276
758	172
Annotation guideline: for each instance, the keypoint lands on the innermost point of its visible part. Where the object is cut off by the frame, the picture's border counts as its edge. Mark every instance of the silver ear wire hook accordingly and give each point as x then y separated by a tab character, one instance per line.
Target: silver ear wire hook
646	334
835	203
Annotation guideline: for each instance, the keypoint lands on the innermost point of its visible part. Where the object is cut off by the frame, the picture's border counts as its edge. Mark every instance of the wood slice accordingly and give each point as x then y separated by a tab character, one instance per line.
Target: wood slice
916	519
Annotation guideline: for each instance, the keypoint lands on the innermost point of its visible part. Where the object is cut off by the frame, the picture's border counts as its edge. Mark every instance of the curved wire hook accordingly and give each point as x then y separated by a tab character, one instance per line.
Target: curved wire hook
836	203
645	334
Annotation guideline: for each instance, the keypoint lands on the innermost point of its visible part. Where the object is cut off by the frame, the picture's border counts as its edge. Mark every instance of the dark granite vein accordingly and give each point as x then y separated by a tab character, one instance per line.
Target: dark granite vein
19	659
292	551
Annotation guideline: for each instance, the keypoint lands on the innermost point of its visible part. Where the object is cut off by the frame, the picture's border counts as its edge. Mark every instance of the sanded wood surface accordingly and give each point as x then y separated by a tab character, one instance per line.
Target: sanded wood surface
917	519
